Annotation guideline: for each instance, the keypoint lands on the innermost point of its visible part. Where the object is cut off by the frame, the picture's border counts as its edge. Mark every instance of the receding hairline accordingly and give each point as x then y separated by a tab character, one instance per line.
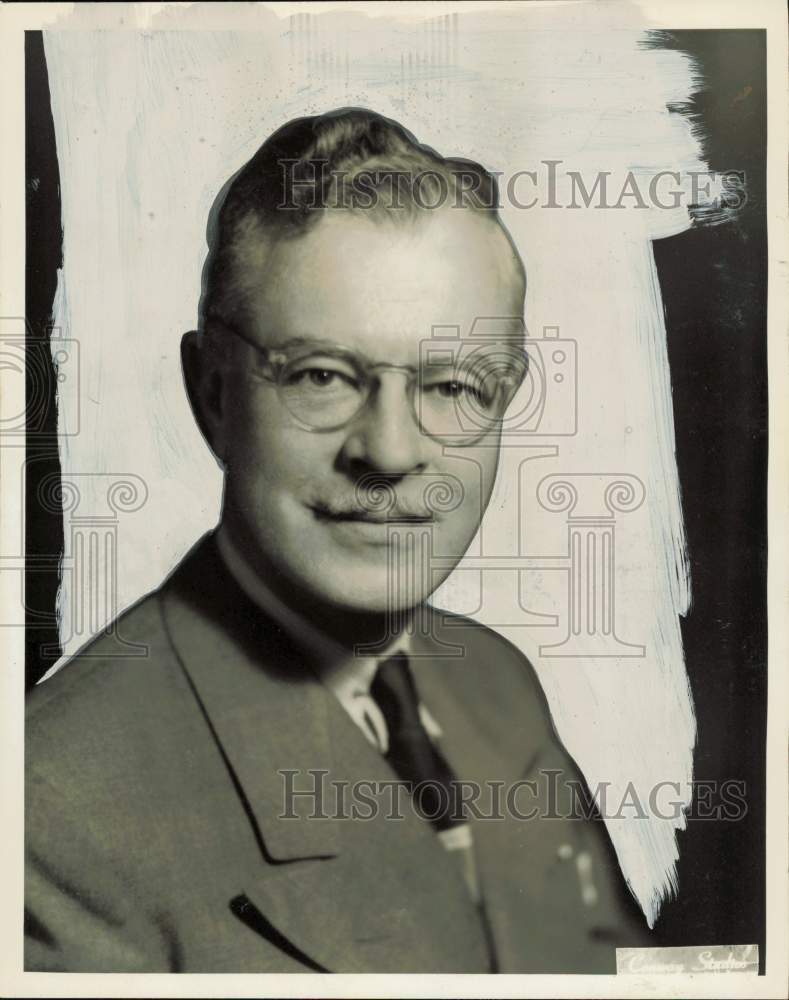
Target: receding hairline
327	154
255	244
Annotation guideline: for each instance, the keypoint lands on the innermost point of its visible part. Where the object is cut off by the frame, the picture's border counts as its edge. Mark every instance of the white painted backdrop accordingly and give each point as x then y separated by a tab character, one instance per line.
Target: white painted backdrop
149	124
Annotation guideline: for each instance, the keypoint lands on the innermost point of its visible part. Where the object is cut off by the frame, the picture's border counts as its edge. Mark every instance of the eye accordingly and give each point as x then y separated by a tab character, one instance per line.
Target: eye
457	389
320	376
452	389
312	376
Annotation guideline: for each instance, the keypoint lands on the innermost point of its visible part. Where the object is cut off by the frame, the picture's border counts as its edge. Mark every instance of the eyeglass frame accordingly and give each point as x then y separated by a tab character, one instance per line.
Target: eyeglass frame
366	369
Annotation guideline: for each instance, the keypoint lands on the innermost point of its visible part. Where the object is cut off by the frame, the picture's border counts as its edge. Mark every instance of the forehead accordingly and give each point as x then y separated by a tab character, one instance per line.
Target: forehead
378	286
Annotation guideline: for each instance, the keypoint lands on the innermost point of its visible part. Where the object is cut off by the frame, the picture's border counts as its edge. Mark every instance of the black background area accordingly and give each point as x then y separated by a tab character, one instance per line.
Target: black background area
714	288
714	285
44	255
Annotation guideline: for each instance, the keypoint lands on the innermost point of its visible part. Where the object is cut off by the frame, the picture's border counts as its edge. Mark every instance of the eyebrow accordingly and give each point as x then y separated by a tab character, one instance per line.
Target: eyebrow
332	347
321	345
281	345
312	341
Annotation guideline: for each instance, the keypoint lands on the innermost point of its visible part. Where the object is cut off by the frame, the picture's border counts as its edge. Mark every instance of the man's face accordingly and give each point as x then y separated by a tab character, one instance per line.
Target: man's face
295	498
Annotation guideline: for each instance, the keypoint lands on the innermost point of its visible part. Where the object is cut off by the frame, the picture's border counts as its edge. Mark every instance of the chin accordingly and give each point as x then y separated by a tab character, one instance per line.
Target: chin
370	594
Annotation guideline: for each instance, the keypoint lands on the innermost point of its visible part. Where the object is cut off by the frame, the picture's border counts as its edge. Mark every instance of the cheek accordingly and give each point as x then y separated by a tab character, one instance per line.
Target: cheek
474	469
267	467
274	466
472	473
254	426
260	454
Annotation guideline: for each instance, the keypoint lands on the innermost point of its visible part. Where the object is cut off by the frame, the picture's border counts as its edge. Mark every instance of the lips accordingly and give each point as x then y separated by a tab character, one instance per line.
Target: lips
330	513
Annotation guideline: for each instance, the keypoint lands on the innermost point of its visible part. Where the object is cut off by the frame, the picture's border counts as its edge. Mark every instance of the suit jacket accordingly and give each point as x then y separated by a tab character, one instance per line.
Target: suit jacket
155	803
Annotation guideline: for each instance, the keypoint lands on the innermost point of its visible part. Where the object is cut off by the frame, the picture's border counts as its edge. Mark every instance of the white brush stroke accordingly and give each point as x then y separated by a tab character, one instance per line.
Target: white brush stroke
150	124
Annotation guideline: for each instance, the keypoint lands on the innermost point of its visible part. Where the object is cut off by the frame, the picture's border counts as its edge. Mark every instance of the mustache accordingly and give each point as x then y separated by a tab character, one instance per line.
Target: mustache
378	499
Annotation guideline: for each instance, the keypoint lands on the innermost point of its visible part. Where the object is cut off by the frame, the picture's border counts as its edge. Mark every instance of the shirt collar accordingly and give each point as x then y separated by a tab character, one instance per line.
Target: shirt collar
346	673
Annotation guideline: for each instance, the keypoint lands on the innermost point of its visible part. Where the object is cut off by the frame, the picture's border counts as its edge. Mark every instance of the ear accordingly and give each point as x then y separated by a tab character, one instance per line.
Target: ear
204	382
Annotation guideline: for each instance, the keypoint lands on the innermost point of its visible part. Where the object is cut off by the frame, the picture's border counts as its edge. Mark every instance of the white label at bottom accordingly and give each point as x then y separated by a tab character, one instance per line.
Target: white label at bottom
709	958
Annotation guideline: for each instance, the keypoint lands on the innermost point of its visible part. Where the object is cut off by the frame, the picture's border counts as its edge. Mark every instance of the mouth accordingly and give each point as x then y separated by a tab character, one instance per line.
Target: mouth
351	515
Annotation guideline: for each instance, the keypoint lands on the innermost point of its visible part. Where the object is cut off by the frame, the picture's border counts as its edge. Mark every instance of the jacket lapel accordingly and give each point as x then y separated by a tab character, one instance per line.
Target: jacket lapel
351	892
483	748
530	882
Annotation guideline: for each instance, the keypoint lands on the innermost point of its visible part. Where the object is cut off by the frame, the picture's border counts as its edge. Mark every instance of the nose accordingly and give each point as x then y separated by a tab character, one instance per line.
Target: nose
385	437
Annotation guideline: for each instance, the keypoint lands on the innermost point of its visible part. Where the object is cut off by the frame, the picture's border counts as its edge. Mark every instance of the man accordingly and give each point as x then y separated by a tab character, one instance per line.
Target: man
312	769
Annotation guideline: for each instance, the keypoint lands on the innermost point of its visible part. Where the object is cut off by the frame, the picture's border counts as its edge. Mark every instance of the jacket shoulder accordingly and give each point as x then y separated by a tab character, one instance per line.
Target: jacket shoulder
107	698
136	636
490	673
477	636
483	650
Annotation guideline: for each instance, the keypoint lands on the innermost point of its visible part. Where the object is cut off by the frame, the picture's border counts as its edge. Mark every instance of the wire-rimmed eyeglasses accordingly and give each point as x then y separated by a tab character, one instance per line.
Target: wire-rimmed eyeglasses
456	401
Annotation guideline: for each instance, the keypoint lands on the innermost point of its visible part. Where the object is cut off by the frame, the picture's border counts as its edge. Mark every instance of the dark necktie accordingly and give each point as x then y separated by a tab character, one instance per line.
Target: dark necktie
411	753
